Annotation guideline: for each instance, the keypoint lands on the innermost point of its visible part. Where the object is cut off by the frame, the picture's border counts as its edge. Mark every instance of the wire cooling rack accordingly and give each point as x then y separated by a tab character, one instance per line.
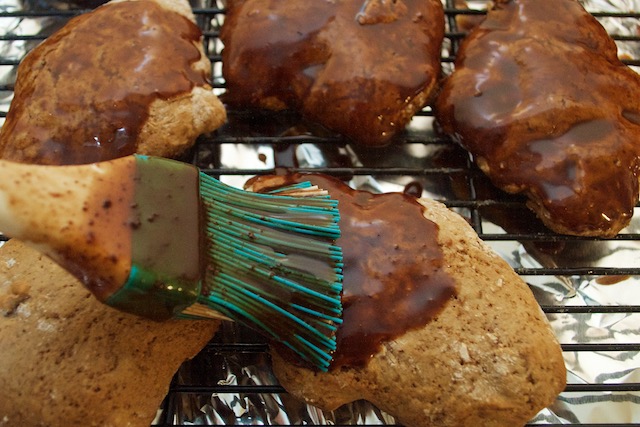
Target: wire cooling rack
230	381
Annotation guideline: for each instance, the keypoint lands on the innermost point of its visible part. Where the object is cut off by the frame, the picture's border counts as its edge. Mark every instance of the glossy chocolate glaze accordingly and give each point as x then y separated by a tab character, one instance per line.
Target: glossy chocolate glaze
98	76
394	277
356	67
541	100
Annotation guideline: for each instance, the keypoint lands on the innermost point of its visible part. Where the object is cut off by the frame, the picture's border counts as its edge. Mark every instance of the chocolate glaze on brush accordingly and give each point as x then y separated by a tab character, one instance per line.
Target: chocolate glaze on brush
154	58
394	278
541	99
166	229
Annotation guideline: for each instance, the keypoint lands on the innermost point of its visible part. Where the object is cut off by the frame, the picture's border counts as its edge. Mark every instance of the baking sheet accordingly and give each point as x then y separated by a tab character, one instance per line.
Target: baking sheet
235	371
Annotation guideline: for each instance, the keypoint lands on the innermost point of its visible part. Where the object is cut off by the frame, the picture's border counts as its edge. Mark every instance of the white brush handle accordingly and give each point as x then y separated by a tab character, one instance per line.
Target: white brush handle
71	213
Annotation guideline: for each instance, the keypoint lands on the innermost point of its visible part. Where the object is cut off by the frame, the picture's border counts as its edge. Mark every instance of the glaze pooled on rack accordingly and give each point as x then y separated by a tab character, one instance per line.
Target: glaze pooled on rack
111	83
362	69
541	99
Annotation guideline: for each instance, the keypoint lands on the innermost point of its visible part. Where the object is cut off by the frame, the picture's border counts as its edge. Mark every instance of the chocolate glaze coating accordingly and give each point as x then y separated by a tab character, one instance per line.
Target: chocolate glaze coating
541	99
360	68
84	94
394	276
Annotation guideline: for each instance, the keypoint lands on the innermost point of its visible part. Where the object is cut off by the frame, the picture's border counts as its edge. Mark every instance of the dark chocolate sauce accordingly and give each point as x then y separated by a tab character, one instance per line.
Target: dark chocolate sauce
541	100
394	278
270	42
414	189
352	66
105	69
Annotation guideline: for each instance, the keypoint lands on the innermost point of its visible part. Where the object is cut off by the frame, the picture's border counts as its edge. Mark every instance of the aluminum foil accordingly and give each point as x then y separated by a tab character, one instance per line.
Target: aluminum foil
219	366
584	367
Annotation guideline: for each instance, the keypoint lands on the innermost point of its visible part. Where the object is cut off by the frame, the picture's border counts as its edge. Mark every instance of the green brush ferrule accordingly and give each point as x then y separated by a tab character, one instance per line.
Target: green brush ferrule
150	295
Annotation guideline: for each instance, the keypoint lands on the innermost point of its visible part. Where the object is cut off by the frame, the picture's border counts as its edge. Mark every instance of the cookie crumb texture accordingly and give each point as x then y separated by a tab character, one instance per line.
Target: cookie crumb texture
67	359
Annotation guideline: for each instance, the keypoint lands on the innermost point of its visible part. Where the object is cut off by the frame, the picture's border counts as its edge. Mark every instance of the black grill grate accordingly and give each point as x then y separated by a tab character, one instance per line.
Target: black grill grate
201	380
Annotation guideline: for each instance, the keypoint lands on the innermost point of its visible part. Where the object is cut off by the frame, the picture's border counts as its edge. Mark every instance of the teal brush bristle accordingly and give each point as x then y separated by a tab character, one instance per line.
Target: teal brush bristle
274	265
131	229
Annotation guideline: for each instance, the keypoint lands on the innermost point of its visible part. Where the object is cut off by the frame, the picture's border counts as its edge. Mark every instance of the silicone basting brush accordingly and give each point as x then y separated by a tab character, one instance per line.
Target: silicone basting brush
161	239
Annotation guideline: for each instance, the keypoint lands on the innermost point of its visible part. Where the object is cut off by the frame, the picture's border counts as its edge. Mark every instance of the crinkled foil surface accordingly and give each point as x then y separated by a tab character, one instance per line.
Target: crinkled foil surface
231	382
